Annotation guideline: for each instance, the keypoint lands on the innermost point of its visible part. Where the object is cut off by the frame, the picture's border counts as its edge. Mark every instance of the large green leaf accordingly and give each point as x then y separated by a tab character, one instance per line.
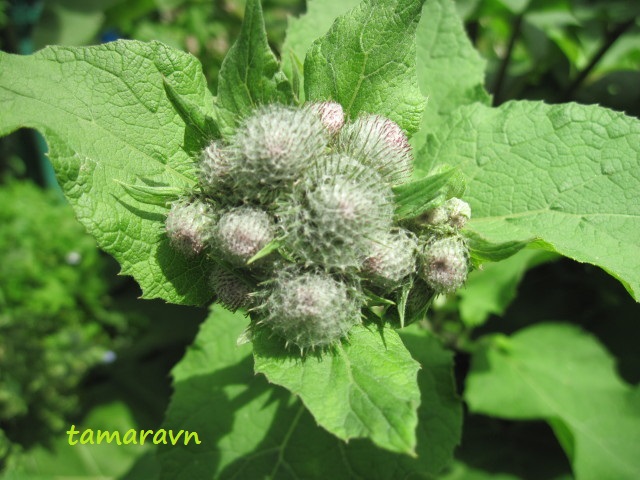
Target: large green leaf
364	388
560	374
250	429
303	31
450	71
108	122
366	62
250	73
566	174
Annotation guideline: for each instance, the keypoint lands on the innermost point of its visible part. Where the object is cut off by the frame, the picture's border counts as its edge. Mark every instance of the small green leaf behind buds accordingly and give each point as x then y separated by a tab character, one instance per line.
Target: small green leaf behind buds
445	263
242	232
273	147
379	143
310	309
189	225
330	113
231	290
213	168
392	258
454	212
334	211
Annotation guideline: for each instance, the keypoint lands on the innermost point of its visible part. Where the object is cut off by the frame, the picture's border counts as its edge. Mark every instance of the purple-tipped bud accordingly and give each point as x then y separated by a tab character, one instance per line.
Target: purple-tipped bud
310	309
242	232
445	264
392	259
189	225
213	167
454	212
230	290
330	113
379	143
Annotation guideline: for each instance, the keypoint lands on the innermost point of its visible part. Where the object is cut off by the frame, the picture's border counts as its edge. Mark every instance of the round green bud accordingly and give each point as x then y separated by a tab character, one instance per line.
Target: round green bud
189	225
334	212
310	309
272	148
379	143
231	291
242	232
454	212
391	259
213	167
445	264
330	113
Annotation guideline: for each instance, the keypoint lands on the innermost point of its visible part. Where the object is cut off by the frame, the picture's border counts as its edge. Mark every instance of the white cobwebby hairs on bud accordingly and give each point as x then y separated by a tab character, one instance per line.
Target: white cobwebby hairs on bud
392	258
454	212
213	168
330	113
334	211
272	148
445	264
230	290
242	232
189	225
379	143
310	309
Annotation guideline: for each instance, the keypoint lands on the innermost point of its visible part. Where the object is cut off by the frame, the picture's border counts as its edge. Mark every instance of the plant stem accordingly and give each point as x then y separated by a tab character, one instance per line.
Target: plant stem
502	72
610	39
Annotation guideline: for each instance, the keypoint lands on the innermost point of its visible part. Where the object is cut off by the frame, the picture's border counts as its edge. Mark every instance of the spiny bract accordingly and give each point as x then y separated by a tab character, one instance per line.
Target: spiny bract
310	309
445	263
213	168
231	290
391	259
242	232
189	225
272	148
454	213
334	212
379	143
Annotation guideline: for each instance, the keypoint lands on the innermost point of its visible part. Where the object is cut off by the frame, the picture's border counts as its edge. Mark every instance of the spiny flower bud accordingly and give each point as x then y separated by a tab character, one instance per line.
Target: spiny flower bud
231	291
310	309
379	143
274	146
330	113
242	232
391	259
334	211
454	212
189	225
445	264
213	167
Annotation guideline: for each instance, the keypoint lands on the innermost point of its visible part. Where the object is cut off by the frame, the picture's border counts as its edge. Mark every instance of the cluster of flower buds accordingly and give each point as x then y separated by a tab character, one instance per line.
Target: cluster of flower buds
296	210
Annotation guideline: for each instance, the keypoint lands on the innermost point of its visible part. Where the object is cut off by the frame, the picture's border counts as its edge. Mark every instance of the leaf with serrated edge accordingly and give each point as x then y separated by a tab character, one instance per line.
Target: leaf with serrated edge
450	70
560	374
106	118
364	388
250	73
366	62
566	174
250	429
303	31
